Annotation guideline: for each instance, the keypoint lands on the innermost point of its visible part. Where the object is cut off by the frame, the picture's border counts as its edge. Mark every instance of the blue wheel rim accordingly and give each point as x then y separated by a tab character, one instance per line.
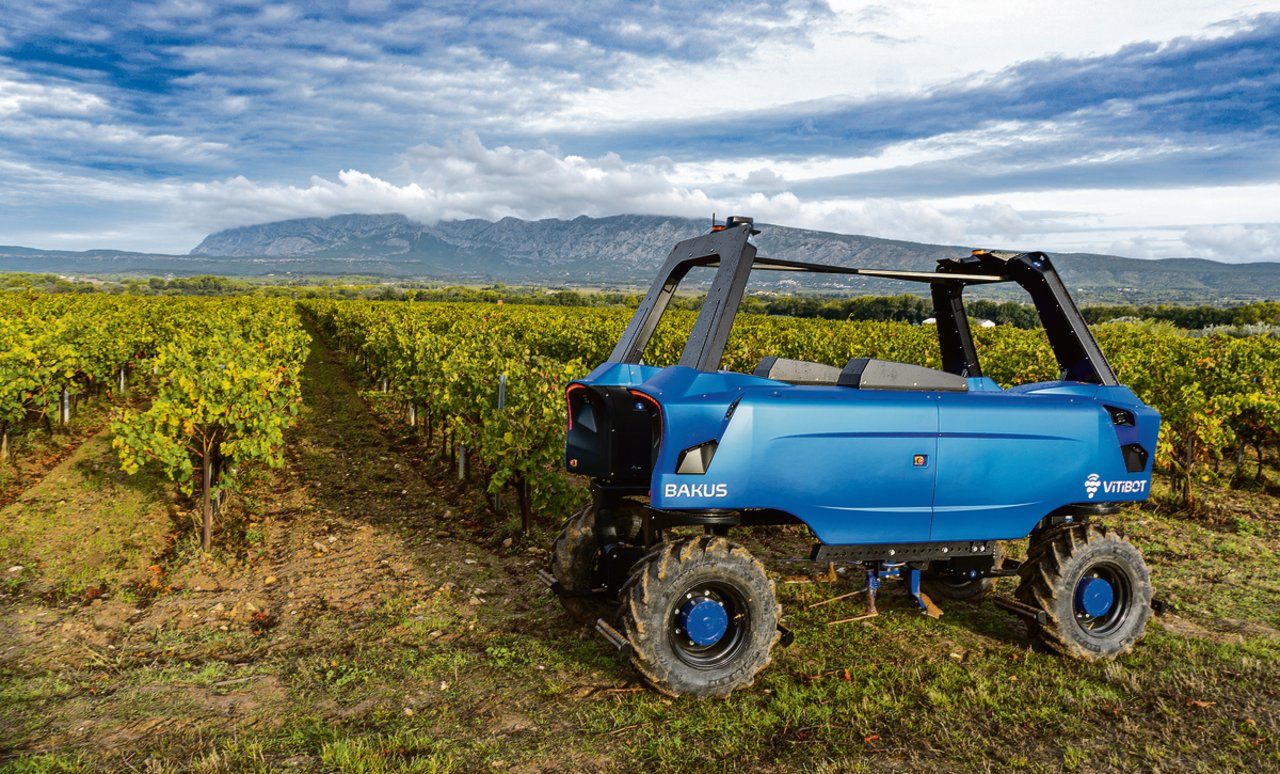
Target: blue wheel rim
1094	596
1102	599
709	624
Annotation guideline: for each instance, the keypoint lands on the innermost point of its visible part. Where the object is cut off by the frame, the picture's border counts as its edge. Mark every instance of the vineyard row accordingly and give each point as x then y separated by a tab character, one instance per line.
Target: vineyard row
215	382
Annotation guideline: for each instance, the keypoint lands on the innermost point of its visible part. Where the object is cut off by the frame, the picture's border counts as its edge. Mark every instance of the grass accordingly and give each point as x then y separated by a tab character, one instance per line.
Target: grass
34	450
86	527
429	675
897	691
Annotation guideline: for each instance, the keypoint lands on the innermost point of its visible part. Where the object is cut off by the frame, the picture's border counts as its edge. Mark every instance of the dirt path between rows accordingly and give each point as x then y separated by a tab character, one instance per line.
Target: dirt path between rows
359	593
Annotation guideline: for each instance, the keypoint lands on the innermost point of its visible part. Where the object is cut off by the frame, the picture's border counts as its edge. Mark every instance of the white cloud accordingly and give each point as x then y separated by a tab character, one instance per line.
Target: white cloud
1235	242
277	14
75	124
19	96
463	179
1143	246
764	178
998	219
906	47
913	221
467	179
112	140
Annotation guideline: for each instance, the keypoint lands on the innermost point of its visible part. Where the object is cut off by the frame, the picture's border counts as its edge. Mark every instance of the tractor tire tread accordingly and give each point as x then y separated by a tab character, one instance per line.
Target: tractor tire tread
1042	586
645	603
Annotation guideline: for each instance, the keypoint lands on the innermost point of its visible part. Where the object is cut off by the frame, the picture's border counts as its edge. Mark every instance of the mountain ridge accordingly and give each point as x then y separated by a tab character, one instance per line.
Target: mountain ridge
611	251
628	248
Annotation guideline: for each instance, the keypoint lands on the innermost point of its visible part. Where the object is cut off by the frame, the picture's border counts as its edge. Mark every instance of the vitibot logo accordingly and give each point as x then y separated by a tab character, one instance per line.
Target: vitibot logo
1092	483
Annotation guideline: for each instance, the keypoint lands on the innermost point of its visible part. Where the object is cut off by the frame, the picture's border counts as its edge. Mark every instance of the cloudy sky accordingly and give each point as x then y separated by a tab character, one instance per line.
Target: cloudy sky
1140	128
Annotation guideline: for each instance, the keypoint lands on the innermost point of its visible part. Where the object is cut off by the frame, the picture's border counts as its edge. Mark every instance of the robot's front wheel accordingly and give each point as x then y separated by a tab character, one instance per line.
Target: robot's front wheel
700	617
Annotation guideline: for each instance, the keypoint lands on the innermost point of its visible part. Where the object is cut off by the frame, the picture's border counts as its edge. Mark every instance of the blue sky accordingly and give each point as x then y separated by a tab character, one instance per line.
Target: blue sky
1147	130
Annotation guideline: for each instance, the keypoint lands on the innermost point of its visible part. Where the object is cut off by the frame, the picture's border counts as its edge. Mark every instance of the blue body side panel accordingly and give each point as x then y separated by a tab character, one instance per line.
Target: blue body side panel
882	466
841	462
1005	461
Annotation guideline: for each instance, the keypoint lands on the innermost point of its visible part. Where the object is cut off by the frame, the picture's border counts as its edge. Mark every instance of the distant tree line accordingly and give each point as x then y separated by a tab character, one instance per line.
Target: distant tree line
1203	316
903	308
915	309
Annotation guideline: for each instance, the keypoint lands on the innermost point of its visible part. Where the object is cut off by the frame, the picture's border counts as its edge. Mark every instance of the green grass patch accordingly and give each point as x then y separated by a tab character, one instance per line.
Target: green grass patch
86	527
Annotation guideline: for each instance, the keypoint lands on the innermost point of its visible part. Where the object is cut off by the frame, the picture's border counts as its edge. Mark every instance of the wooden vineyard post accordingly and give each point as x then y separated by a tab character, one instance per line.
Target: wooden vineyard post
206	500
526	507
502	404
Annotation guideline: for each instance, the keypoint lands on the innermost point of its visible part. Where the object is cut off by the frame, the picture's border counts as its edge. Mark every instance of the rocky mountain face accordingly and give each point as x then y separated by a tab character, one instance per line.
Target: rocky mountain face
627	249
579	250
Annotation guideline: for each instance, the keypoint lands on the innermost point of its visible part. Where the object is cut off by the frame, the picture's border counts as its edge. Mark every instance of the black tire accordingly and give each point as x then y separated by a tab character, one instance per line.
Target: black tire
1041	537
575	560
1059	577
699	571
960	588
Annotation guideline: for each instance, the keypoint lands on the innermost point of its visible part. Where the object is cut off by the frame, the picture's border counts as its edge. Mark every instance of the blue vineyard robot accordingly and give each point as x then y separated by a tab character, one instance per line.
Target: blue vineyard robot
907	472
